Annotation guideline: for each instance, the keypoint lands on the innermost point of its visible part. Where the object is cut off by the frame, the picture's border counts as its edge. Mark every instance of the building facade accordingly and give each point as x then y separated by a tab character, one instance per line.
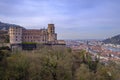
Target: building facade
15	35
19	35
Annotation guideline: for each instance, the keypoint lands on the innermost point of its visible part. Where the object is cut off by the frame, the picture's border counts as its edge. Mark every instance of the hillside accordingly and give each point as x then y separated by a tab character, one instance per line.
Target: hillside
113	40
5	26
54	63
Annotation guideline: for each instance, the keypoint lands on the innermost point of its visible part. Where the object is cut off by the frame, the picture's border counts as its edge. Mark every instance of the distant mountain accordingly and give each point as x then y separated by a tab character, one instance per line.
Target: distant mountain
113	40
5	26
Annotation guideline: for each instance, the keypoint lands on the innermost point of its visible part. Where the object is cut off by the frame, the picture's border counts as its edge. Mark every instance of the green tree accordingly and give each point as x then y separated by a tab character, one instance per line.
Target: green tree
57	65
83	73
17	67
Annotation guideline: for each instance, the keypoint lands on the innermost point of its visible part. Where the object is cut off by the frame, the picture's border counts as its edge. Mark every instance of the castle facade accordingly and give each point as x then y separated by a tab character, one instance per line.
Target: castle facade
19	35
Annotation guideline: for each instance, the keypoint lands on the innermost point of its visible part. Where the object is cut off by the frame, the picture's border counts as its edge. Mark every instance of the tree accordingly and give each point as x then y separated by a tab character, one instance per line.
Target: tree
83	73
17	67
56	64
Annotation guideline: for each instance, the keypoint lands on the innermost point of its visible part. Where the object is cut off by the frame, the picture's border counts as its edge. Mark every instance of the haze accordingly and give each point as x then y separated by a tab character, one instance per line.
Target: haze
74	19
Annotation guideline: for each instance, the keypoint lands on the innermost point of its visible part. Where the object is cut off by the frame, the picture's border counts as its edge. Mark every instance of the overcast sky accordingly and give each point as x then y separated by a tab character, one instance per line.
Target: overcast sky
73	19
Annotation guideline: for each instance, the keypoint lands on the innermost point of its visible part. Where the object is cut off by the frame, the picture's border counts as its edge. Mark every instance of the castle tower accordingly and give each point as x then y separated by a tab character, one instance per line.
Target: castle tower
51	29
15	34
52	36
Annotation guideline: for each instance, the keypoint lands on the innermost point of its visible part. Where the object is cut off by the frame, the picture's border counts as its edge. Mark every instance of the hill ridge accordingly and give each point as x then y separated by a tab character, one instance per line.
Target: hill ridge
113	40
5	26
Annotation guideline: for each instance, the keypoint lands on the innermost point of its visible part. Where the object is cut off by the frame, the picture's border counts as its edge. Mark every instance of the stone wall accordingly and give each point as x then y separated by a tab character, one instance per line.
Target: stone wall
4	44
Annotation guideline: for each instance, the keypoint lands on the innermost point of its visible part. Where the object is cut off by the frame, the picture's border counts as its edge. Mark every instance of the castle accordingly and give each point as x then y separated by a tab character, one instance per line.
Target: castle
20	35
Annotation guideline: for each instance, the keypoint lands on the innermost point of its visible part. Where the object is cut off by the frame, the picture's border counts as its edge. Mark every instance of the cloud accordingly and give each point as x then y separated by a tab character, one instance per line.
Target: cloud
84	18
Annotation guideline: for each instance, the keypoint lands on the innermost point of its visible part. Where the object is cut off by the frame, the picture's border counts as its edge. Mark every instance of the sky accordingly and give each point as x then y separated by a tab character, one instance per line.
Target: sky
73	19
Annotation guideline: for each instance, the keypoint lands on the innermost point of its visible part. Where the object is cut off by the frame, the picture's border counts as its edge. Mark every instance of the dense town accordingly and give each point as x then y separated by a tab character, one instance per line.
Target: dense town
97	48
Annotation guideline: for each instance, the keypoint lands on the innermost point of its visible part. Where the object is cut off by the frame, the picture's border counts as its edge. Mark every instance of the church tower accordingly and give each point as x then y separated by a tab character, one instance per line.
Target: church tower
52	36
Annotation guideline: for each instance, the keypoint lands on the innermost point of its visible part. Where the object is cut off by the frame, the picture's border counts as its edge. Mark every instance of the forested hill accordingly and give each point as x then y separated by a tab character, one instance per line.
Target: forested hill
113	40
5	26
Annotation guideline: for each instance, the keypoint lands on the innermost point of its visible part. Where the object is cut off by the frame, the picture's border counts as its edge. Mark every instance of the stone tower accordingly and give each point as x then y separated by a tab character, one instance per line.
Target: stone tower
15	34
51	28
52	36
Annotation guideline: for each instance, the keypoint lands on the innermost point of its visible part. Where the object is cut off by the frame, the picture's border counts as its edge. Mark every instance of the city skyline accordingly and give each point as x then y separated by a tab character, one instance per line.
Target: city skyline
78	19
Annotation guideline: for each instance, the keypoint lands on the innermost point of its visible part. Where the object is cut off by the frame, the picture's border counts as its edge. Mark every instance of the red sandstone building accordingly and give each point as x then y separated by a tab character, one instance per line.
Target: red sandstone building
19	35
